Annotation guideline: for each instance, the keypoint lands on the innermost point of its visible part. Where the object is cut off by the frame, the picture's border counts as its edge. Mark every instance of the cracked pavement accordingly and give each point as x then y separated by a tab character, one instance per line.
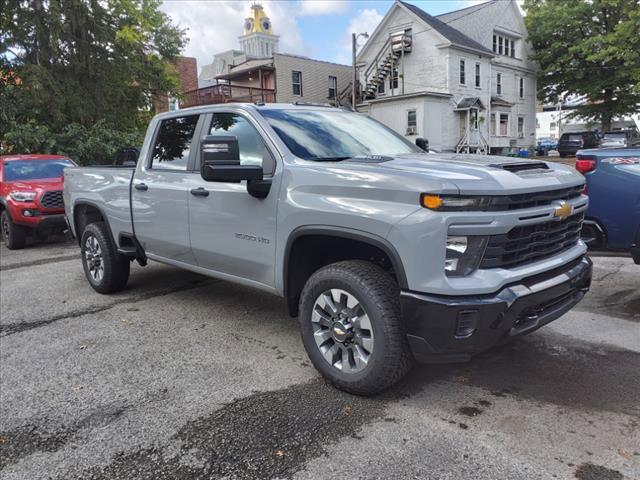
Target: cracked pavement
185	377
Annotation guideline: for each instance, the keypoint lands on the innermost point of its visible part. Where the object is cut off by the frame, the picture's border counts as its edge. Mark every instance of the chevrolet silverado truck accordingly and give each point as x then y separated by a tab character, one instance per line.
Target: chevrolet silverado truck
386	254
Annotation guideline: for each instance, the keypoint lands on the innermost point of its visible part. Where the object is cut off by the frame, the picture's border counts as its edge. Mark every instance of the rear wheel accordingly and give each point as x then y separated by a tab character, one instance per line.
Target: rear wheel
14	236
352	328
105	269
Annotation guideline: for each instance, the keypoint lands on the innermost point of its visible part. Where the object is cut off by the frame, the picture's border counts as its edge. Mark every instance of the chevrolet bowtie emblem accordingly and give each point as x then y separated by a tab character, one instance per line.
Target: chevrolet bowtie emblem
563	211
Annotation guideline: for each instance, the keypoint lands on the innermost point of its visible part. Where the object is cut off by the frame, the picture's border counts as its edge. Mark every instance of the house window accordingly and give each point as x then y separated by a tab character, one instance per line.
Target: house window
504	45
499	83
463	76
520	127
412	122
504	125
552	125
493	124
296	82
333	86
521	87
381	87
477	75
393	80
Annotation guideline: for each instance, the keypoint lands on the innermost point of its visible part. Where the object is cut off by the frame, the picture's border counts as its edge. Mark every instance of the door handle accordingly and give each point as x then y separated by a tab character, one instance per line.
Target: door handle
199	192
141	186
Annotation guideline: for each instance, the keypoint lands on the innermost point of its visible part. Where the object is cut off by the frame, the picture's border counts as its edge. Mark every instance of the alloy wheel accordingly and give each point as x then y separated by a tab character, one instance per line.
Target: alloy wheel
342	331
93	258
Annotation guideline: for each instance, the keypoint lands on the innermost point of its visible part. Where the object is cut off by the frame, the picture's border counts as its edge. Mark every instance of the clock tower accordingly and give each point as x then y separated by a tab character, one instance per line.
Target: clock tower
258	39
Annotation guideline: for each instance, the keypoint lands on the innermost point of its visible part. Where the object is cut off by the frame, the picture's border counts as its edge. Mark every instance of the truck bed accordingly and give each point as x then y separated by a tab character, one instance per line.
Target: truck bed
106	187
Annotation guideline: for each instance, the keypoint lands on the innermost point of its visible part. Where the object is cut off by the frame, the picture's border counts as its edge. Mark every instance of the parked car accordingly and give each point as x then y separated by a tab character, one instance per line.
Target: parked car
570	143
613	185
384	252
127	157
619	139
543	145
31	196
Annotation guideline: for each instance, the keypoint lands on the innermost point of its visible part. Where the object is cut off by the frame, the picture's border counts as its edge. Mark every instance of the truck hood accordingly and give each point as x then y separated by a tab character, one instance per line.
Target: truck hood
486	175
36	185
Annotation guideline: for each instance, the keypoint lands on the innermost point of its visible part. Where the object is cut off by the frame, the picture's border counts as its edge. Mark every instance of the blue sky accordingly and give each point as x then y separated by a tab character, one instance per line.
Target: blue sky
319	29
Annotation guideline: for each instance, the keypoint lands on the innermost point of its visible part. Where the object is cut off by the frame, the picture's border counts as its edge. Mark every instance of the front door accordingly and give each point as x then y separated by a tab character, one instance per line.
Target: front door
231	231
160	192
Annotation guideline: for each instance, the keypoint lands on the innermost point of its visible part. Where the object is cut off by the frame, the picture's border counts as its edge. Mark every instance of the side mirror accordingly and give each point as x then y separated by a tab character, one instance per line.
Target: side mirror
220	162
422	143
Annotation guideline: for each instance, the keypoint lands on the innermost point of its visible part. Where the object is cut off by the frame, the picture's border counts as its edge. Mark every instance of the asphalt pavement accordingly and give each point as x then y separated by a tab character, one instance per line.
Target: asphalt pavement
185	377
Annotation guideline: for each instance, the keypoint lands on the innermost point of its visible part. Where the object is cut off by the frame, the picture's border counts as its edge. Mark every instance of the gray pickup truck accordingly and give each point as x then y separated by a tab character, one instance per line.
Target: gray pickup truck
385	253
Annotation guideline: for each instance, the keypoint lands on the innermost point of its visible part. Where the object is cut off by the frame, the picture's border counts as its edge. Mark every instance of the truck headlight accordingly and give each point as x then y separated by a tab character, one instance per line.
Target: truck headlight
455	202
23	196
463	254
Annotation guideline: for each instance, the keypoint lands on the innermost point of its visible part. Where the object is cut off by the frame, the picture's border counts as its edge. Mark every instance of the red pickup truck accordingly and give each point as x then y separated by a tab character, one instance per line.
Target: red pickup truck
31	196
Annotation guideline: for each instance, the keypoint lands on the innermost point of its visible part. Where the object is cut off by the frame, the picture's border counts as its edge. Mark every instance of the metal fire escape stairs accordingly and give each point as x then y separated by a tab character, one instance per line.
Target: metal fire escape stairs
389	56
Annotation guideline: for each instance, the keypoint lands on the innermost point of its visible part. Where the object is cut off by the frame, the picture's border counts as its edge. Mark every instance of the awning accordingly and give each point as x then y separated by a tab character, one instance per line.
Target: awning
499	102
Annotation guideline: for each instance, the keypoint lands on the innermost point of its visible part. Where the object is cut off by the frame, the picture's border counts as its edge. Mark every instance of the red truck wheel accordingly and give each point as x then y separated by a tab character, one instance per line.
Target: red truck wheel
14	236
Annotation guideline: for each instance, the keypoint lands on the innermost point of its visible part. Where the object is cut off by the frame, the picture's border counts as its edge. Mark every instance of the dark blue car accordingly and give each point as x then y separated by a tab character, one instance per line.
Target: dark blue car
613	185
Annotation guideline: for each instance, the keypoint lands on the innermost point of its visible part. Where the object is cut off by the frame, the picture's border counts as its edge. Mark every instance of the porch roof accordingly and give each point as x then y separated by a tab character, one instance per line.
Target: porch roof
469	102
246	67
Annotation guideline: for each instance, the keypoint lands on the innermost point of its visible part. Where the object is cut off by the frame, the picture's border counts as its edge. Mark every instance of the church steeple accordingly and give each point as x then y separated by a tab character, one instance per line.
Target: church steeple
258	39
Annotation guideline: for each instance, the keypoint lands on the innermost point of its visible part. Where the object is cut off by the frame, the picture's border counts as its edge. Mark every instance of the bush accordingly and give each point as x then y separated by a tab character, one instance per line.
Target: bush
87	146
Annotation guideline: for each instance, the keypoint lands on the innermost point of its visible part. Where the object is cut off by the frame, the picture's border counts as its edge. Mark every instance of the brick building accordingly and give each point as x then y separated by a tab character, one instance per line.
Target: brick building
187	70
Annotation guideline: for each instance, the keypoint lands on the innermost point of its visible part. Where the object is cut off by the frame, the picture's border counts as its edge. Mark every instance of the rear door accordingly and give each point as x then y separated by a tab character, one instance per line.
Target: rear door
160	189
231	231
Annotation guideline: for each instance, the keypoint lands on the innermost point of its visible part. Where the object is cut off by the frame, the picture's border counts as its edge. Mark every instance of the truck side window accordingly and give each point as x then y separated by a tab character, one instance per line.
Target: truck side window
171	150
253	150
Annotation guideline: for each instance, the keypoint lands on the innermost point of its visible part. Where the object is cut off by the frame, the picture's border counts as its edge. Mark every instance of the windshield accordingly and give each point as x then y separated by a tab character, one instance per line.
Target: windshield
335	135
572	138
35	169
618	137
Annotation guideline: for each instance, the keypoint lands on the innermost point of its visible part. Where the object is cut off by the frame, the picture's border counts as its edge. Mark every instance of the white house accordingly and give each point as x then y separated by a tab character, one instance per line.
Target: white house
462	80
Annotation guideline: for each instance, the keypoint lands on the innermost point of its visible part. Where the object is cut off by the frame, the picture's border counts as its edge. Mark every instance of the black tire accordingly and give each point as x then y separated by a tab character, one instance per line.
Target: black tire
379	296
14	236
115	267
562	154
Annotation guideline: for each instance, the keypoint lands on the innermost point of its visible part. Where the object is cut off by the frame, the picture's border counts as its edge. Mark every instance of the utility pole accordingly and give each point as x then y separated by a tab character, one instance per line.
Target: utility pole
354	39
354	81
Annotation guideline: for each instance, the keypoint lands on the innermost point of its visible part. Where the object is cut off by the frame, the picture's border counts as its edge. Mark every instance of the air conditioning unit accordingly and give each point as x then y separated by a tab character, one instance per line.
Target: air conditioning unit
411	131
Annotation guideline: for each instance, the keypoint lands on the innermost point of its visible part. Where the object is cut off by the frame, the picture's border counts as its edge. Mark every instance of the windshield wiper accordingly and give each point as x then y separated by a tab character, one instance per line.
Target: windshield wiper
329	159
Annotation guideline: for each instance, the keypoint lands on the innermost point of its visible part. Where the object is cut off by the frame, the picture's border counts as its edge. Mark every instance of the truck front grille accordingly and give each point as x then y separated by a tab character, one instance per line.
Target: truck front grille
536	199
531	243
52	199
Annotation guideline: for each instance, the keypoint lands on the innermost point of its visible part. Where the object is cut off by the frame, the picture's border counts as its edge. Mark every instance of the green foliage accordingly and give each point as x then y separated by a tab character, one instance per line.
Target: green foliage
588	48
67	65
93	145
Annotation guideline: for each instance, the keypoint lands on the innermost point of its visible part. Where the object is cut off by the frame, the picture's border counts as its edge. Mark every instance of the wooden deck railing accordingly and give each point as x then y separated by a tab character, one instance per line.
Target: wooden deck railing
224	93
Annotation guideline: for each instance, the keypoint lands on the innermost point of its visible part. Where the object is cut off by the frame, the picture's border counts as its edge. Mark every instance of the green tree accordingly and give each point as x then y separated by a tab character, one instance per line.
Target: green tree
589	48
82	62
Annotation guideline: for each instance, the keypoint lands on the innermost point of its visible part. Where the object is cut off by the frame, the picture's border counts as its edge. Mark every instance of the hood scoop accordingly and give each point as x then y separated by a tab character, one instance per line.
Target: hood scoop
521	166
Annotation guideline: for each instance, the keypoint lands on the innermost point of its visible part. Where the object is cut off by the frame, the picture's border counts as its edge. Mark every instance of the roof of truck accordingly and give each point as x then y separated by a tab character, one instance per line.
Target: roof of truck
255	107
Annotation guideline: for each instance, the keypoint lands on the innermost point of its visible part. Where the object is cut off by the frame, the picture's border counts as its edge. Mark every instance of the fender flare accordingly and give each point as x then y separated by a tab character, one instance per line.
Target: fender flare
351	234
79	203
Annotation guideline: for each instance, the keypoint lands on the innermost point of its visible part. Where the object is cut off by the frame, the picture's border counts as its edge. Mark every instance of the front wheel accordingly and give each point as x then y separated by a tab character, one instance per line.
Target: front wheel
14	236
352	327
105	269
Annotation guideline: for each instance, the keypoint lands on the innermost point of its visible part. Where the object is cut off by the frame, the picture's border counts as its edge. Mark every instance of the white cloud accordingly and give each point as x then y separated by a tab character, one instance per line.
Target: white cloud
215	26
321	7
366	20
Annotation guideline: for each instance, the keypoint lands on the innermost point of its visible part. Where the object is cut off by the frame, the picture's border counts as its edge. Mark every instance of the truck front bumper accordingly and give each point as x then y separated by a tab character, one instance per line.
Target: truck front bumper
443	329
